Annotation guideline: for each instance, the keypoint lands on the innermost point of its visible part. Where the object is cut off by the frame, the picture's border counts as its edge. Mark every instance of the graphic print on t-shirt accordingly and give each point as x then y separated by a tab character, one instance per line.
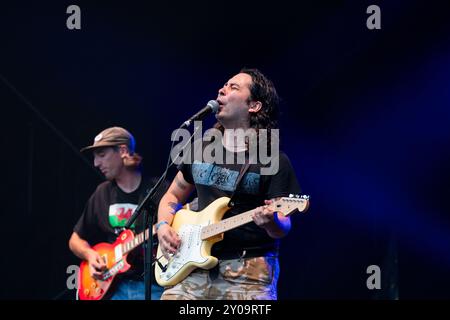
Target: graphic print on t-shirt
224	178
119	213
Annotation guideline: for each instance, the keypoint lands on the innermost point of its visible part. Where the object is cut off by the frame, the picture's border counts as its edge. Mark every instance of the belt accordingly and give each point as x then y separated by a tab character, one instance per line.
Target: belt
245	253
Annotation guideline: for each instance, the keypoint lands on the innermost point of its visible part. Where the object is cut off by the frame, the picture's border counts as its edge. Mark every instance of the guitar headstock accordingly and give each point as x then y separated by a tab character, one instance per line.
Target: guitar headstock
287	205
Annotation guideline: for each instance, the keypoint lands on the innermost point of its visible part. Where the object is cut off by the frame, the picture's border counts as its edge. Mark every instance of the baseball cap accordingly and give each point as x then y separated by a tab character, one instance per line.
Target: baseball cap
113	136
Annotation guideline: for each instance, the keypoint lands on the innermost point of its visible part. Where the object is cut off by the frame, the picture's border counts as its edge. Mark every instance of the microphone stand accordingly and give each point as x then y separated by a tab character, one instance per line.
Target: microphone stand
148	242
150	217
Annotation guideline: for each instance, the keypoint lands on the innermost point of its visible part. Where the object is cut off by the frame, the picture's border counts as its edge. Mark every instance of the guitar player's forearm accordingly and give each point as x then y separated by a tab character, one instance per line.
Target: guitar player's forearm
177	194
167	208
79	247
279	227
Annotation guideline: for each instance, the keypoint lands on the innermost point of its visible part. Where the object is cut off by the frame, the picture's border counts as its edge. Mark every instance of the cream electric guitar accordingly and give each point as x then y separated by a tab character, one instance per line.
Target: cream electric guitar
198	232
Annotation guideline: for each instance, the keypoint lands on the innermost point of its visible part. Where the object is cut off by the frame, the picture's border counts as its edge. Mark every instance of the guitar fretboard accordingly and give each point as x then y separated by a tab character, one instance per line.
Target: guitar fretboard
137	240
227	224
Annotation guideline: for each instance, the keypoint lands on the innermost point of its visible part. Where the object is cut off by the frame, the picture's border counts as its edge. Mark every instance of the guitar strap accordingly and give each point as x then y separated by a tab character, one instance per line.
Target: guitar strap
244	169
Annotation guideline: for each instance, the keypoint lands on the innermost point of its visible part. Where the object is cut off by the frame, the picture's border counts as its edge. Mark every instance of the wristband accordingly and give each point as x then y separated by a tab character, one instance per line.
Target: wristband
159	224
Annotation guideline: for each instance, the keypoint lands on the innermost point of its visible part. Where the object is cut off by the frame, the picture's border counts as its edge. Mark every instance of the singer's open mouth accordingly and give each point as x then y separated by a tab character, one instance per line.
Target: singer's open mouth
221	104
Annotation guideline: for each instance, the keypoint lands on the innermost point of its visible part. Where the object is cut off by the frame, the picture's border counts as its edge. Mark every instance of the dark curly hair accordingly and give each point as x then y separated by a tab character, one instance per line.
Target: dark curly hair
263	90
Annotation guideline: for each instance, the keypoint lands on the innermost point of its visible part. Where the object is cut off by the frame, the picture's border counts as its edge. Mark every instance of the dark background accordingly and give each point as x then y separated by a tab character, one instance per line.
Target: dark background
365	122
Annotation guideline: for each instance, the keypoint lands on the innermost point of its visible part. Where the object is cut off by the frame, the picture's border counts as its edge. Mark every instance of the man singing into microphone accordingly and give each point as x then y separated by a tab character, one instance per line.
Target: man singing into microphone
248	255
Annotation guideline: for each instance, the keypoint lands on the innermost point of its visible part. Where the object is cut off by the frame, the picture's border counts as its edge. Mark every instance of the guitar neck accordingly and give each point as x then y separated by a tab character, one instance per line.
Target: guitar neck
137	240
227	224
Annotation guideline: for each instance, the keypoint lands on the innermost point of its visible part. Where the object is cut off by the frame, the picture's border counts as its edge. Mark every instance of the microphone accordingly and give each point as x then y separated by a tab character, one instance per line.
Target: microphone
212	106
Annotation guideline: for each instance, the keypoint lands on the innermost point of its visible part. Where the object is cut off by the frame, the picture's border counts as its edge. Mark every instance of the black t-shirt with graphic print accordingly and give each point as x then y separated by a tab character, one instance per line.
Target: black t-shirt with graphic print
213	180
108	210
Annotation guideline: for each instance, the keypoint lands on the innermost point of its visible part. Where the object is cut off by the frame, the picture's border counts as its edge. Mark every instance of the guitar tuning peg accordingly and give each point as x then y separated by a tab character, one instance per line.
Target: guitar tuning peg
297	196
291	195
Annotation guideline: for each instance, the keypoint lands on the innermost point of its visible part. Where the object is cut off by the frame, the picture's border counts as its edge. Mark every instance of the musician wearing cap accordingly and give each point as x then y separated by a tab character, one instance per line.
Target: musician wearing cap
107	212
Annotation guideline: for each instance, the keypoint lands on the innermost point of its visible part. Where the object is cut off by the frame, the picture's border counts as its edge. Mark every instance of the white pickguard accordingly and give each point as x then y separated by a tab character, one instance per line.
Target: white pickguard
189	251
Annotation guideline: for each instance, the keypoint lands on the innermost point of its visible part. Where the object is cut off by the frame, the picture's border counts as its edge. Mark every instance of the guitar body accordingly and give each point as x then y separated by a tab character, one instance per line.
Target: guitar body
198	231
193	252
94	289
